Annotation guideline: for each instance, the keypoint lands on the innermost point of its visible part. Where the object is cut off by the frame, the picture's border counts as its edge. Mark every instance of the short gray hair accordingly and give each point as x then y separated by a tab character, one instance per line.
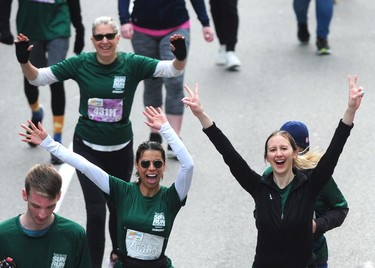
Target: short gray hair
105	20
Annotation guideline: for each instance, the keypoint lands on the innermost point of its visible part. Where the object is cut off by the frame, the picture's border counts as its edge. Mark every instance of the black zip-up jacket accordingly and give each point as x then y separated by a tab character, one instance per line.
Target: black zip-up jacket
284	239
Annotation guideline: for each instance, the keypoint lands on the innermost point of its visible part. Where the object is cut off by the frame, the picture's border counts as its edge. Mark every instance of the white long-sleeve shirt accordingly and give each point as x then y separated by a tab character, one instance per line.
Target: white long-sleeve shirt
101	178
164	68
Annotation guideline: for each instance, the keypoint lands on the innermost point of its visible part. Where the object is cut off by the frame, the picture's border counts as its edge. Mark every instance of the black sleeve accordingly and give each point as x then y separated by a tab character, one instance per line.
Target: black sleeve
245	176
75	14
331	219
324	170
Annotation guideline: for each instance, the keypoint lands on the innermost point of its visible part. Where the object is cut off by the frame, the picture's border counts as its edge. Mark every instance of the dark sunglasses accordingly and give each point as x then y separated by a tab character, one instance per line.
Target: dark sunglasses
109	36
146	163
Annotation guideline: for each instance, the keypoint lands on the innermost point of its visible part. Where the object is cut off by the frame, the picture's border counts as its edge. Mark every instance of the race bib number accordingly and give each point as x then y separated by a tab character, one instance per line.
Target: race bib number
143	246
105	110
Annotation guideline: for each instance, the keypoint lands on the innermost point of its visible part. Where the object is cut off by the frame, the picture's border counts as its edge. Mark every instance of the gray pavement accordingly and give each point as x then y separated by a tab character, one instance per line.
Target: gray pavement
280	80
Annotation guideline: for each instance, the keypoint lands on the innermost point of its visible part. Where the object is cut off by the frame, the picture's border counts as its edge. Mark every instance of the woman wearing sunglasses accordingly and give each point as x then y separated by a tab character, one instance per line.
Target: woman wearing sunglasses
107	80
146	210
284	198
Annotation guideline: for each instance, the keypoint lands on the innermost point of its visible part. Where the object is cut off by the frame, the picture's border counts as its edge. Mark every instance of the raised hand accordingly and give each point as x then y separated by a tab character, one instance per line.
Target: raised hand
193	100
23	48
178	46
355	93
196	107
33	134
355	99
156	117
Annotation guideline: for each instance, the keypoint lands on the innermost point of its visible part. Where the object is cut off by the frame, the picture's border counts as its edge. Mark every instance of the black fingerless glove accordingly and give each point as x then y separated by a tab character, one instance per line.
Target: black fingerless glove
22	51
79	42
180	49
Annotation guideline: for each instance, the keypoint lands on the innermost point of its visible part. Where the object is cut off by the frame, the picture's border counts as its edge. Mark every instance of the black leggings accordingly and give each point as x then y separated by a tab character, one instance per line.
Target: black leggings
57	96
117	163
225	17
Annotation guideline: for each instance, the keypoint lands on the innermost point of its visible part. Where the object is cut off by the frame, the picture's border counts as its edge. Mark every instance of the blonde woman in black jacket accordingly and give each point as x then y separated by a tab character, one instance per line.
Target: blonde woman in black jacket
285	197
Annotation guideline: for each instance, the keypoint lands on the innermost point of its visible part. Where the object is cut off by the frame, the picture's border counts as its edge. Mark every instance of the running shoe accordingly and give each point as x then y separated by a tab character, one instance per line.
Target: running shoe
170	153
156	137
35	118
221	57
323	47
55	160
233	62
303	33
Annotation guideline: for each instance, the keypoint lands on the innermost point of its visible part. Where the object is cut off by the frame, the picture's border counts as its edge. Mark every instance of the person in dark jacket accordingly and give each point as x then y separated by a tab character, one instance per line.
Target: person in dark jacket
284	198
331	207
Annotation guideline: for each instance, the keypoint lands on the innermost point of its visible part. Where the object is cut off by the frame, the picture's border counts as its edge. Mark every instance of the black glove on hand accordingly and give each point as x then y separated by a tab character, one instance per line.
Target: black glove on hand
22	51
80	40
180	49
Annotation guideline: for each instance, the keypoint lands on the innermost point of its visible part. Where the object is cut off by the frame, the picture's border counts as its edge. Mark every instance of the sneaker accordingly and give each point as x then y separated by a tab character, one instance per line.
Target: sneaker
35	118
303	33
233	63
156	137
170	153
221	57
6	38
55	160
323	47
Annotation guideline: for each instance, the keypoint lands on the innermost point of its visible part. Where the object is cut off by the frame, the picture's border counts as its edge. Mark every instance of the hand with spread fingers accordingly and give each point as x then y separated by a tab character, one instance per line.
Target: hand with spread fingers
156	117
33	134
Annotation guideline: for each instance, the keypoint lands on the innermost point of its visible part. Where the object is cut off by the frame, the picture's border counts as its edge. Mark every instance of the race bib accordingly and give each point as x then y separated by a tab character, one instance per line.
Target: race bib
143	246
104	110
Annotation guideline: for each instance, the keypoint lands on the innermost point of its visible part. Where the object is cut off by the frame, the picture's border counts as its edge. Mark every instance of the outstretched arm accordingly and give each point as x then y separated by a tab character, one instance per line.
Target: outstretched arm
157	119
36	77
39	136
196	107
355	99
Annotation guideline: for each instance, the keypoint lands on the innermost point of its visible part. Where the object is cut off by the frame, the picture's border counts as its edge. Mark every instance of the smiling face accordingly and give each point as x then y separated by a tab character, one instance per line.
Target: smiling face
149	171
106	49
280	152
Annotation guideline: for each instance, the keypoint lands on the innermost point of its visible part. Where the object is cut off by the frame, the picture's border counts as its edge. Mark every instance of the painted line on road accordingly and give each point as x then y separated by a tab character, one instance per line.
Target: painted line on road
67	172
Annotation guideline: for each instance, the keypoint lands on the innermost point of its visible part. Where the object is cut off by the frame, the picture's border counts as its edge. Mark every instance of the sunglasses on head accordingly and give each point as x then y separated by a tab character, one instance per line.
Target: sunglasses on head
146	163
100	37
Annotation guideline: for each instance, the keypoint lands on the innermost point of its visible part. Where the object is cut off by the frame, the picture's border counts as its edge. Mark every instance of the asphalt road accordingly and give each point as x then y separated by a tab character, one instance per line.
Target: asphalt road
279	80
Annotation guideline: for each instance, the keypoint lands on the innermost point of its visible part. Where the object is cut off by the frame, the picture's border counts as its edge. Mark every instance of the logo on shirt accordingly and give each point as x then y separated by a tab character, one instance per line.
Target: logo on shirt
58	260
159	221
119	84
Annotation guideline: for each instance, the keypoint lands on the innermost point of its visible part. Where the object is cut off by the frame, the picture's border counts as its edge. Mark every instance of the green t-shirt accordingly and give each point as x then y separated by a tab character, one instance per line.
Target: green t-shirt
144	215
106	93
64	245
43	20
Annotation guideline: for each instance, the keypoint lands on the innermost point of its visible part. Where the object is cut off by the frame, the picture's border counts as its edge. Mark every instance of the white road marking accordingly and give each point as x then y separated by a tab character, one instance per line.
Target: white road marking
67	172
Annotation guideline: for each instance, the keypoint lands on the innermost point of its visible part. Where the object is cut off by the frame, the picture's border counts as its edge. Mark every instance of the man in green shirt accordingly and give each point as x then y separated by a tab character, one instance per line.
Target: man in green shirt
39	237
